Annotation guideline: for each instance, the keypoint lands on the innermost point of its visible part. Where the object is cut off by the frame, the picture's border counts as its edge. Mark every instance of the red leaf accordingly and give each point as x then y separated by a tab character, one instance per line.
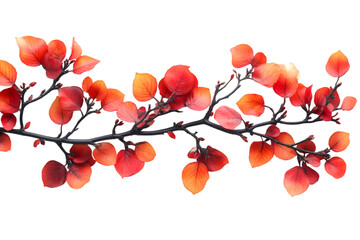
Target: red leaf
227	117
9	100
144	87
193	153
27	125
112	100
178	102
145	152
242	55
59	115
339	141
348	103
164	91
75	50
251	104
98	90
308	146
171	134
311	173
86	84
281	151
78	175
259	59
8	121
127	163
336	167
36	142
267	74
213	159
53	174
32	50
5	142
260	153
180	80
272	131
127	112
71	98
313	159
199	99
194	176
105	154
337	64
80	153
296	181
51	64
57	49
321	95
8	74
287	83
83	64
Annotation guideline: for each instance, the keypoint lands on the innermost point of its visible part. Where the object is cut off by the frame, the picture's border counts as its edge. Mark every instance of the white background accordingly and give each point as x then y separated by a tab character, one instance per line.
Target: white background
149	37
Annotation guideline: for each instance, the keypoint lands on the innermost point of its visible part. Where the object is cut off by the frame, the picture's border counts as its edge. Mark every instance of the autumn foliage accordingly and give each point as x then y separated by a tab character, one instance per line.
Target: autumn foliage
176	90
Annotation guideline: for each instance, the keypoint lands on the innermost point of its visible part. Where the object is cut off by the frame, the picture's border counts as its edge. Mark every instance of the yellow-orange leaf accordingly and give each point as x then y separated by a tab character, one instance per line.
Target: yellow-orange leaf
144	87
145	152
251	104
112	100
337	64
260	153
105	154
281	151
339	141
194	176
7	74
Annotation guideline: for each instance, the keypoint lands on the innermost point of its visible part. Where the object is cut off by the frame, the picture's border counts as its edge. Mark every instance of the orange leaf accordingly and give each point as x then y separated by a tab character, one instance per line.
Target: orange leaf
98	90
180	80
298	99
296	181
287	83
267	74
59	115
251	104
112	100
348	103
71	98
32	50
339	141
75	50
259	59
194	177
5	142
127	163
199	99
83	64
144	87
260	153
53	174
9	100
213	159
80	153
8	74
336	167
127	112
78	175
337	64
242	55
8	121
227	117
105	154
57	49
281	151
145	152
86	84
